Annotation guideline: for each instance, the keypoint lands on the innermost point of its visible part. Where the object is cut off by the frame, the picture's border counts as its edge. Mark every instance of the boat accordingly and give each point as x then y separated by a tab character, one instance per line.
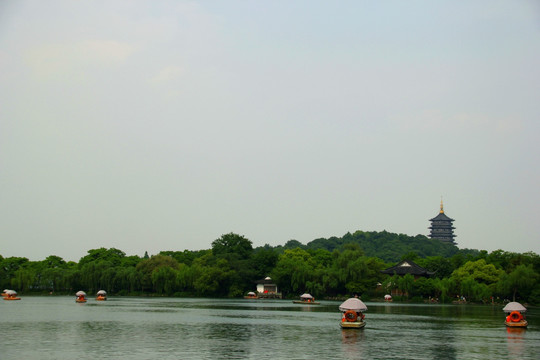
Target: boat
10	295
515	317
352	316
388	298
306	299
101	295
250	295
80	297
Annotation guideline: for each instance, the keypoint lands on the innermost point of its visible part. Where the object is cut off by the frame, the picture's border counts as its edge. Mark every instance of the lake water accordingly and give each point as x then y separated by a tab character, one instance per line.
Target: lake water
171	328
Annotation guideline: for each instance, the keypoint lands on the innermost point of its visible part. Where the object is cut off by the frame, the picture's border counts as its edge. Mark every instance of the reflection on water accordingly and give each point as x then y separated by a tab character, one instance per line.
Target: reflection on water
516	342
148	328
353	341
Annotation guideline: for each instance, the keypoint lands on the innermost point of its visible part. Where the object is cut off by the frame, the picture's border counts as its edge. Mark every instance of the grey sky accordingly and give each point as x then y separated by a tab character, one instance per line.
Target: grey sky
161	125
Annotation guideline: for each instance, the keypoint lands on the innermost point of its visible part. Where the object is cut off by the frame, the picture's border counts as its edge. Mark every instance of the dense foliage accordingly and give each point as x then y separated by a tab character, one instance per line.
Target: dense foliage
333	267
387	246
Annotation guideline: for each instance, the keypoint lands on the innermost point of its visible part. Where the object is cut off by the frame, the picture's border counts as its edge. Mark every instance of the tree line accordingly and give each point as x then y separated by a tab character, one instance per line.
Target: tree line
326	268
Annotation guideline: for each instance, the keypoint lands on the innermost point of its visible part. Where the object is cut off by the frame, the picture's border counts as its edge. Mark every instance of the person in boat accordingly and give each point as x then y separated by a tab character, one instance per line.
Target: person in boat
347	316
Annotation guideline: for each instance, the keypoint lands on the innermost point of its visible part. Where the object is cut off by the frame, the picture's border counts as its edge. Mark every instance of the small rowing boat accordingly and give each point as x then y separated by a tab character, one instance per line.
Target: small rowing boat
352	316
306	299
80	297
515	315
10	295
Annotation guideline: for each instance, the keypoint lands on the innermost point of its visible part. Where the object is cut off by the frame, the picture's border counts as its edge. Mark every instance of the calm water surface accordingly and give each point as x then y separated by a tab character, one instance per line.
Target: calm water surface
169	328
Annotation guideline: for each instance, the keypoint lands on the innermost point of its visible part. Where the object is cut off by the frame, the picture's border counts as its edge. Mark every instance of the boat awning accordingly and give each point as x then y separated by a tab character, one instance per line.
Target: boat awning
353	304
514	306
306	296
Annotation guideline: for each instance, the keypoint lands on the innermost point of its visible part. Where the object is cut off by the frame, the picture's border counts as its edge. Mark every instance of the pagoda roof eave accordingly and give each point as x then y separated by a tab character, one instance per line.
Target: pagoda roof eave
441	216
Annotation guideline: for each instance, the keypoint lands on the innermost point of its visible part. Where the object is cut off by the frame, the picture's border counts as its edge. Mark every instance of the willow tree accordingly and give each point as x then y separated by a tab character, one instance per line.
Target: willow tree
521	280
293	270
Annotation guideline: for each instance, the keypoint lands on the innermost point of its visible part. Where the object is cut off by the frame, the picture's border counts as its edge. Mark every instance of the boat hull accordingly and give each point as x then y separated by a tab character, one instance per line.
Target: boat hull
306	302
17	298
80	301
516	324
352	325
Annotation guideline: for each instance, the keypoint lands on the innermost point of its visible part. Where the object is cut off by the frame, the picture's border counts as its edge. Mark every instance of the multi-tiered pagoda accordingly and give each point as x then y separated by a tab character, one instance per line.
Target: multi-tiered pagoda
441	227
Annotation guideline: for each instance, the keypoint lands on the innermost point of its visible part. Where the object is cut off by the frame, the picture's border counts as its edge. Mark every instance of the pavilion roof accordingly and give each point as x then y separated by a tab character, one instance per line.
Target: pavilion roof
266	280
407	267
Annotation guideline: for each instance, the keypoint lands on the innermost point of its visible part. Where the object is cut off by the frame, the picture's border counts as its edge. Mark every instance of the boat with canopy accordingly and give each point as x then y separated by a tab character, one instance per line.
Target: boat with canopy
306	299
515	317
80	297
101	295
352	316
10	295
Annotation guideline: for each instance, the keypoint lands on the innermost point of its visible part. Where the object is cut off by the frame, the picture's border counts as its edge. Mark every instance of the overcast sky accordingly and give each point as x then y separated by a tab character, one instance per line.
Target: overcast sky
161	125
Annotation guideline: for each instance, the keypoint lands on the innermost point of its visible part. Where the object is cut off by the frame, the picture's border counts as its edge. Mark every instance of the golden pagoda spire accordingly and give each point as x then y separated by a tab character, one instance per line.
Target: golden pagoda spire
442	211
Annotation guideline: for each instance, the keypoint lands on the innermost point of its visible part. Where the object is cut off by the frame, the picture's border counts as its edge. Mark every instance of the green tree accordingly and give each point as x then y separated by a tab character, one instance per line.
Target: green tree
185	278
214	278
293	244
443	288
147	266
521	280
293	269
423	287
22	279
440	265
474	290
263	261
112	255
476	279
127	278
406	283
478	270
164	280
8	267
232	244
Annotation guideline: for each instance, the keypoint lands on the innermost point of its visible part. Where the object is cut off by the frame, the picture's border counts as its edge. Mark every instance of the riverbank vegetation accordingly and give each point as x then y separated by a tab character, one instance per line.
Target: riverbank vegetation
330	268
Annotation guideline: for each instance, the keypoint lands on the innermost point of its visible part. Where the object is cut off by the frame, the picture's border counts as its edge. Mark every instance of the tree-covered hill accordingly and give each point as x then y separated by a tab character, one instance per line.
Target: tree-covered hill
387	246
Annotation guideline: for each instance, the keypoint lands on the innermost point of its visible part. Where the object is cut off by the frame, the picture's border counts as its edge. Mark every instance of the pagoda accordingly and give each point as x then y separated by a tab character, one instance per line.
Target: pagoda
441	227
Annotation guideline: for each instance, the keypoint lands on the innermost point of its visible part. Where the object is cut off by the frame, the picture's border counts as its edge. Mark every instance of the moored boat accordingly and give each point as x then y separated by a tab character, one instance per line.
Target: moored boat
101	295
10	295
250	295
80	297
352	316
515	315
306	299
